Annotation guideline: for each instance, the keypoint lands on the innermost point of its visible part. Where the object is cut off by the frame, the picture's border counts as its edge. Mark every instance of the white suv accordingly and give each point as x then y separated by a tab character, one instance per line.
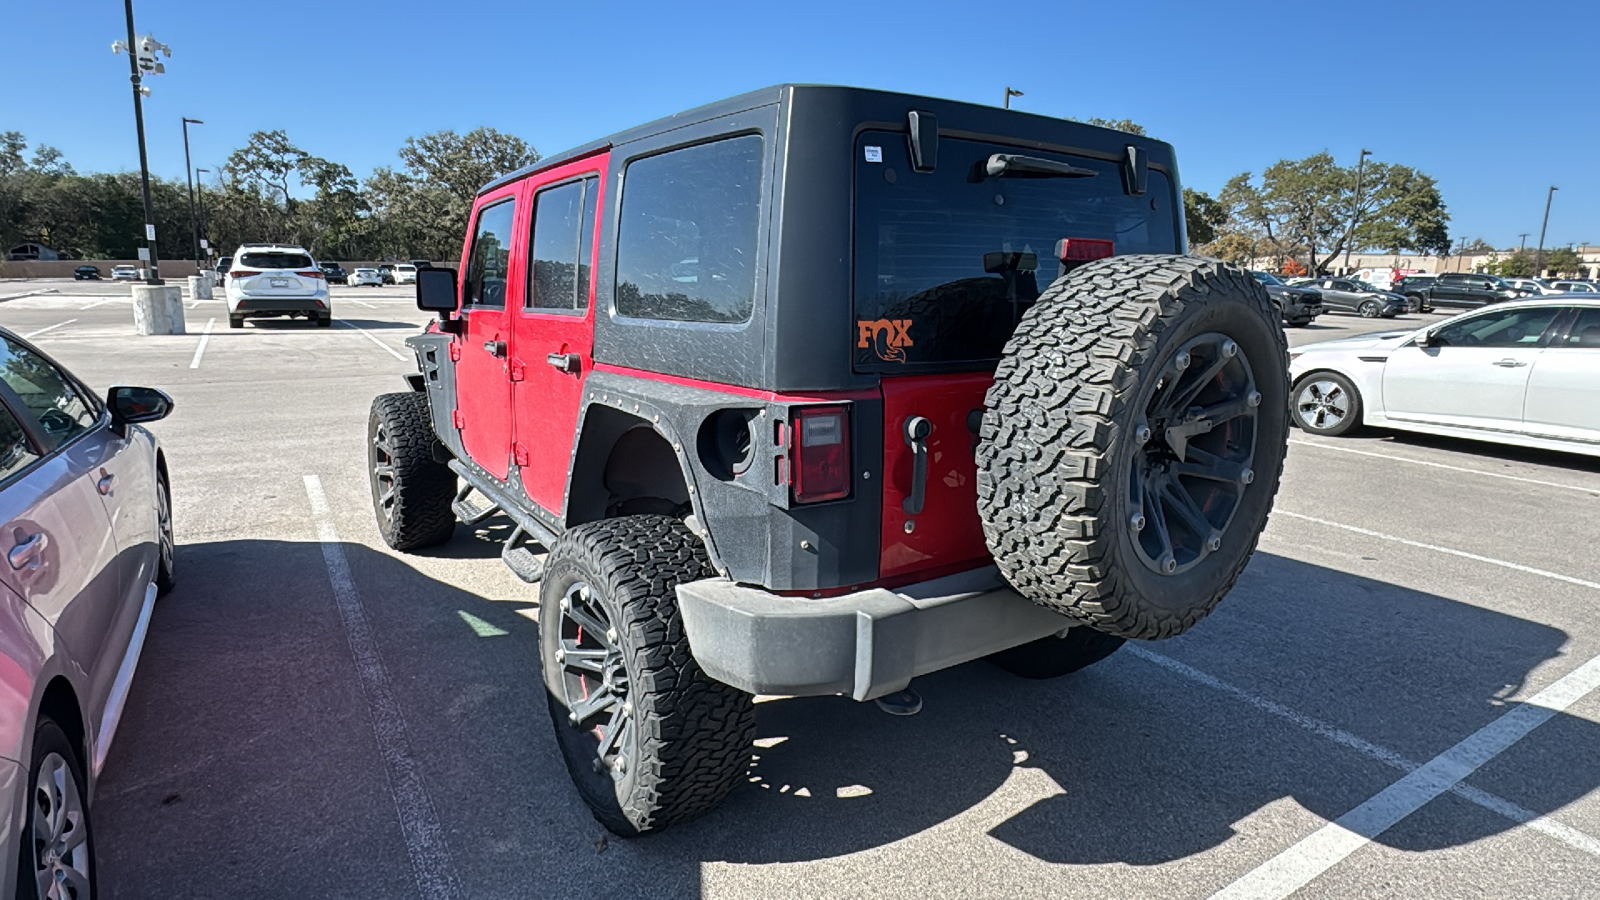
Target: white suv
276	280
405	273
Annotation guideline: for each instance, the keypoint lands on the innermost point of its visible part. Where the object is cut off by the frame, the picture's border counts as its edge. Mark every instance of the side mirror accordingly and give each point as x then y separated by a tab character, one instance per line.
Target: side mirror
137	404
436	290
1425	339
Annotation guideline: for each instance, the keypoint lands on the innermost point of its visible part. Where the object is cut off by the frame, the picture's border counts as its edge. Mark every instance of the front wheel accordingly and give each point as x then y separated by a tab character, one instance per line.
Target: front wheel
165	578
1299	323
1326	403
411	489
1370	309
648	737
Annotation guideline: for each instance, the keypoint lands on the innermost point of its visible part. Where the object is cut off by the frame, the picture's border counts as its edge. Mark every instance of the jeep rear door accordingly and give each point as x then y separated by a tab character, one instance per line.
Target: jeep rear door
493	280
552	342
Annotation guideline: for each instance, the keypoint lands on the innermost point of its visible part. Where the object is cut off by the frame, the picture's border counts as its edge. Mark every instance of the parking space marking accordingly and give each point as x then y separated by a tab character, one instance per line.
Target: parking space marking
374	338
102	303
30	294
431	864
200	350
1418	462
48	328
1324	848
1438	549
362	302
1492	802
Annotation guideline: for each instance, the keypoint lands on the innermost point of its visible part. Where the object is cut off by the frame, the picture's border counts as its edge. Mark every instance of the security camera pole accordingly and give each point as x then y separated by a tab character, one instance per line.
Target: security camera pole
144	161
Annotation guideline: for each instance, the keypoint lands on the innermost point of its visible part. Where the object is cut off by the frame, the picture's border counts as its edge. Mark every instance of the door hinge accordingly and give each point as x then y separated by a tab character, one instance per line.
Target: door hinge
519	454
459	419
518	370
455	351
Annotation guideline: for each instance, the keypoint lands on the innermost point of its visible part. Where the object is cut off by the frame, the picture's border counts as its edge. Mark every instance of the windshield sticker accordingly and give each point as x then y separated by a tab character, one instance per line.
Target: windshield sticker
888	338
875	154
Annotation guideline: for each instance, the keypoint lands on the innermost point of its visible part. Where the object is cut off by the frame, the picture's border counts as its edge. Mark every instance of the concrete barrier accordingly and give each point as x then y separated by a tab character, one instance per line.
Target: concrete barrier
158	309
199	287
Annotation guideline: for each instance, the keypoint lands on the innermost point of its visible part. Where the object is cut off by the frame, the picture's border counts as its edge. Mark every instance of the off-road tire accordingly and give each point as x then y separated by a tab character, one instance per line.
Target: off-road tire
236	321
1053	656
420	514
49	738
1058	444
692	734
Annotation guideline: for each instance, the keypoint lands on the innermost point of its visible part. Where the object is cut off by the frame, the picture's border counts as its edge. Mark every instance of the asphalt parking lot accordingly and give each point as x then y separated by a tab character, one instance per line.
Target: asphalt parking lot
315	715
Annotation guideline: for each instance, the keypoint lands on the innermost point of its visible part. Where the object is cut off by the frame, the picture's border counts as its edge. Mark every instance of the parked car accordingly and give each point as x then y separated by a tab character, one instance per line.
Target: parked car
737	498
1411	288
86	524
1572	287
1351	296
224	265
86	273
333	272
277	280
1466	289
1298	307
386	272
421	263
405	273
124	273
1533	286
366	275
1523	372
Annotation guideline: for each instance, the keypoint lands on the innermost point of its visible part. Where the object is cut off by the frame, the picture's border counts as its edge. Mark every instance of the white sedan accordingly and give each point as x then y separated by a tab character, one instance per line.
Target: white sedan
1523	372
366	276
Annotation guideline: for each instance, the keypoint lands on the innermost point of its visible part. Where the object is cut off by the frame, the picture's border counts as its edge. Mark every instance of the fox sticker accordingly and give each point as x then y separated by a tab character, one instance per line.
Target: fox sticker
888	338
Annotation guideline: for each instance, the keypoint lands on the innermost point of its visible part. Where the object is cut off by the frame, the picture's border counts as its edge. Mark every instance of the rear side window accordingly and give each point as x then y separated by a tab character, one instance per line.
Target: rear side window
563	232
491	257
47	393
275	261
686	244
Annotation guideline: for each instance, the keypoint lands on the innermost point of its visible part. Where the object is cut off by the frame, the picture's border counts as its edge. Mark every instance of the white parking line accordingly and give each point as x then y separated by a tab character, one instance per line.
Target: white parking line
1494	803
48	328
362	302
205	338
431	865
373	338
1418	462
30	294
102	303
1324	848
1437	549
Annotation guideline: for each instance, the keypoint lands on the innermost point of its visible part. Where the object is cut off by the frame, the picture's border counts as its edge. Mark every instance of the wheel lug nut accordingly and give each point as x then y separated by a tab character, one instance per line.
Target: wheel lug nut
1142	434
1137	522
1182	362
1246	476
566	604
1214	542
572	717
1169	564
1230	349
611	635
561	656
1254	399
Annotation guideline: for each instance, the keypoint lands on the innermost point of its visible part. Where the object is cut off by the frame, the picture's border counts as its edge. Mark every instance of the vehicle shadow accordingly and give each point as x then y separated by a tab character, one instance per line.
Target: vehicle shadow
1367	436
247	744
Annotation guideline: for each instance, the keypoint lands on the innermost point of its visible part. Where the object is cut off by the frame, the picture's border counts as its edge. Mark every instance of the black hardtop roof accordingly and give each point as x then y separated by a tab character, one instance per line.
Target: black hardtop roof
886	106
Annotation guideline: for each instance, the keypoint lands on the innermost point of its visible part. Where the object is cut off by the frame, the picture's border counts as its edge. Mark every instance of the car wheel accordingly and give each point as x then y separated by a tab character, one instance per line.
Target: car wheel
1298	323
1369	309
648	737
56	856
1053	656
1133	441
166	568
325	322
1326	403
236	321
412	490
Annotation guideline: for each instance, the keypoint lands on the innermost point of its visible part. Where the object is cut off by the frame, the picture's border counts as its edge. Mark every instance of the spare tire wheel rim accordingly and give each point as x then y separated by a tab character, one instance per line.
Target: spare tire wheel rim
1194	448
1321	404
594	681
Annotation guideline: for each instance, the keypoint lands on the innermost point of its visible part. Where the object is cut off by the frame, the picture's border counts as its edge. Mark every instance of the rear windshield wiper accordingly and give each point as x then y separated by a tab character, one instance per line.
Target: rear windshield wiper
1011	164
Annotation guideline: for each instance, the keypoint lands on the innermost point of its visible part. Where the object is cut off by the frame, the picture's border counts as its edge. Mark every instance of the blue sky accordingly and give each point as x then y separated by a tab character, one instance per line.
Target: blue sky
1495	101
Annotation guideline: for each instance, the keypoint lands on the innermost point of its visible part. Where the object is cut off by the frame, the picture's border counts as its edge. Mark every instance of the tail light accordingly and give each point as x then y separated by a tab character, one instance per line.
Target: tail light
311	274
821	453
242	273
1075	250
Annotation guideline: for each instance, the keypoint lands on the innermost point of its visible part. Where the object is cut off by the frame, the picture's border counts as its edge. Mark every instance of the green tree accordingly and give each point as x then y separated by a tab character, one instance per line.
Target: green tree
1203	216
1127	125
1563	261
1518	265
423	207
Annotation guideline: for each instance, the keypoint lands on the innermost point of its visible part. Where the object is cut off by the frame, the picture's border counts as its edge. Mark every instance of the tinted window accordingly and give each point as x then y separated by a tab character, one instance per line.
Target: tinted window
16	451
491	257
563	231
1502	328
47	393
1265	278
1585	331
275	261
947	261
686	244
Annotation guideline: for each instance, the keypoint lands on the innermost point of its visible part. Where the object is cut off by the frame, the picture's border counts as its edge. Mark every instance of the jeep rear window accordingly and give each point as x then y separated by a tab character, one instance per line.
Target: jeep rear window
686	241
923	296
275	261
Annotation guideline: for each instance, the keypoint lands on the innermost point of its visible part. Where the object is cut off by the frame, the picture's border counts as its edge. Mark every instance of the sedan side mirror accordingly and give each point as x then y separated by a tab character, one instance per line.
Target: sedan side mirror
436	290
1425	339
137	404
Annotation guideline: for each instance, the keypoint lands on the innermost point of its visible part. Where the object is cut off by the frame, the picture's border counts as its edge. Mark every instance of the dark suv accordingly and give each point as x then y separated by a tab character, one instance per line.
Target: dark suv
816	390
1465	289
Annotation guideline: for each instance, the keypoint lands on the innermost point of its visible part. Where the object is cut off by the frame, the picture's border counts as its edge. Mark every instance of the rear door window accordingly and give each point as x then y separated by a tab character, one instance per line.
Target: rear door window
947	261
563	232
487	267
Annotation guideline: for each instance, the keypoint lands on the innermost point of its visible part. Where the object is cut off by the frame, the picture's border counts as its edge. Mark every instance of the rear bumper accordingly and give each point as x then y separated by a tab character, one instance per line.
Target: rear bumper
268	305
864	644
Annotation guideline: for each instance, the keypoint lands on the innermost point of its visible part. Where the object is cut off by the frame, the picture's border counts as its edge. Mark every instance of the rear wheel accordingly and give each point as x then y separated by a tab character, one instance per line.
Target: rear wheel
1299	323
236	321
648	738
1053	656
56	856
325	322
411	489
1133	441
1326	403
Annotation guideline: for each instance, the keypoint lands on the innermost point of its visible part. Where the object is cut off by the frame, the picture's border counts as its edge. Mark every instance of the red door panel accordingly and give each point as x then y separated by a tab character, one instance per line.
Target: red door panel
552	352
483	386
947	534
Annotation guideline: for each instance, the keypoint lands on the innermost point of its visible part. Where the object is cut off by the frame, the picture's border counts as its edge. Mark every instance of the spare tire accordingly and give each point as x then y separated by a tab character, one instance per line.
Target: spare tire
1133	440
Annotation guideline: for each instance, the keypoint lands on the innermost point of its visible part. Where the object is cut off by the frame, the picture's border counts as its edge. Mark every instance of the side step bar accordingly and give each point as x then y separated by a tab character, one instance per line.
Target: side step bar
516	554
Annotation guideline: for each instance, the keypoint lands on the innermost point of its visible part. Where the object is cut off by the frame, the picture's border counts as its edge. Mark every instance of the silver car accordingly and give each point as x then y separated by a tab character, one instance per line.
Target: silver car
86	529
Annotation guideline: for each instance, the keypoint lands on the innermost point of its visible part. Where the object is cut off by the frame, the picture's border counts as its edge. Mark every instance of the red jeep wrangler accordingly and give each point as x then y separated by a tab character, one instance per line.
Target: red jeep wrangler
816	390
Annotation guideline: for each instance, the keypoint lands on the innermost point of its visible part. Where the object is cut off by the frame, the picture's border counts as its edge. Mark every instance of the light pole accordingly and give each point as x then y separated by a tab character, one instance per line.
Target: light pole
1355	208
200	191
1011	92
194	223
141	60
1538	258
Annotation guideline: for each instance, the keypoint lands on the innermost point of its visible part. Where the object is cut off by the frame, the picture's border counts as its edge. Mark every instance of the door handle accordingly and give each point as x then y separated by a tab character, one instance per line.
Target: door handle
496	349
916	435
1509	363
104	484
26	552
566	362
